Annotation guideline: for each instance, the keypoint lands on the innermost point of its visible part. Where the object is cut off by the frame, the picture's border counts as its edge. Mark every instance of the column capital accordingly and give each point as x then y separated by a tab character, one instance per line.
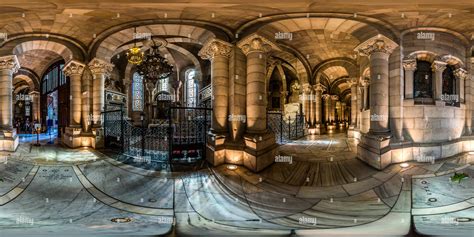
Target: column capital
256	43
472	60
318	87
9	62
352	82
334	97
99	66
409	64
34	93
460	73
365	82
326	97
215	48
438	66
306	88
378	43
73	67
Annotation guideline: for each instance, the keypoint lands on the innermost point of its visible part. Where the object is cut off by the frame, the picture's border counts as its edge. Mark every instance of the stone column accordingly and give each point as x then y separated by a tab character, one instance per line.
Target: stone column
260	145
461	75
334	99
8	66
438	68
74	69
318	90
256	48
127	90
100	71
409	65
218	52
307	102
378	50
343	112
86	101
365	93
354	102
327	99
8	138
35	105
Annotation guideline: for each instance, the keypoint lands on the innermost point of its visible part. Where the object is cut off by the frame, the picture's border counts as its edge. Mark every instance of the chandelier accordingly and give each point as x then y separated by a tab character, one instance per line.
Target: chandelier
154	67
134	54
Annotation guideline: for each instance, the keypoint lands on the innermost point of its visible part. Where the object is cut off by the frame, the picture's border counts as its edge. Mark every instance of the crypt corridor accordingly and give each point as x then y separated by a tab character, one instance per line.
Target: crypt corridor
288	118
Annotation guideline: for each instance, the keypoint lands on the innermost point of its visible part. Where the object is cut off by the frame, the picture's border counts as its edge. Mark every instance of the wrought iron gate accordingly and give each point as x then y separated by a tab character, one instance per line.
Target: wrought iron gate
179	139
286	128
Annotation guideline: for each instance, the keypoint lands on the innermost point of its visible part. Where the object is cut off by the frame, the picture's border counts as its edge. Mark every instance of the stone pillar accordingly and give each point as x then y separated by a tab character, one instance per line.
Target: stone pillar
469	97
8	137
409	65
438	68
318	90
260	143
354	102
332	116
307	102
86	102
379	52
327	105
74	69
343	112
127	90
461	75
372	147
100	71
35	105
365	92
218	53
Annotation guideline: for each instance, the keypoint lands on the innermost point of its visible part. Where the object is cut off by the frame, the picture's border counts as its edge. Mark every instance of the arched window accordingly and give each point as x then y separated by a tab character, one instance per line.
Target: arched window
191	88
137	92
449	90
423	80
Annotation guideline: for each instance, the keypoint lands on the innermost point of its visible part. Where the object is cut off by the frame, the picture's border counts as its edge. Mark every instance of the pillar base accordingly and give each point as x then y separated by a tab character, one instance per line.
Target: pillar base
260	151
9	140
215	149
74	138
331	128
353	132
318	129
374	150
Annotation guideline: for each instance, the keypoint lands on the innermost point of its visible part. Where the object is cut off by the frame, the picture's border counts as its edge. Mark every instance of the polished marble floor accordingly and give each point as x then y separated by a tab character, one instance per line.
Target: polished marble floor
318	188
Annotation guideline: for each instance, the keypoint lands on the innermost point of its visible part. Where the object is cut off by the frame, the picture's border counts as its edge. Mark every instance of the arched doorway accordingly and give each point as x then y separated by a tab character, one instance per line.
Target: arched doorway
54	100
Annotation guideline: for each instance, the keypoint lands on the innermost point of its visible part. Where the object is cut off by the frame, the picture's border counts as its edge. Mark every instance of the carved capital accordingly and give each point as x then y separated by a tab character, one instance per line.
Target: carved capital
306	88
365	82
438	66
256	43
99	66
73	67
9	62
460	73
215	48
376	44
318	87
409	64
334	97
326	97
352	82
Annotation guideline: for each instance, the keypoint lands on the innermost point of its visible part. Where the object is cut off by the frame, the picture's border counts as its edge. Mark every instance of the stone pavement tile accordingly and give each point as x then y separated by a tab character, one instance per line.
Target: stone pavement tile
361	186
321	192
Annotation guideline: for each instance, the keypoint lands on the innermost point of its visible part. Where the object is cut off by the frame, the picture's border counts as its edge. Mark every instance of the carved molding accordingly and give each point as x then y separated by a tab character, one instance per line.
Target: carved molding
409	64
74	67
334	97
379	43
99	66
9	62
256	43
318	87
438	66
215	47
460	73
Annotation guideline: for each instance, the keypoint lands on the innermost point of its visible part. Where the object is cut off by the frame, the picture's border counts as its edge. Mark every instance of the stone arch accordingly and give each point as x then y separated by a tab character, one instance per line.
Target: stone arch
423	55
348	64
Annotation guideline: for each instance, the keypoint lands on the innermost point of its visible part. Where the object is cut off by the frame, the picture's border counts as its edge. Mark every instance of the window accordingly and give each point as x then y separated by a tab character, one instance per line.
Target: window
449	90
163	85
53	78
191	89
137	92
423	80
